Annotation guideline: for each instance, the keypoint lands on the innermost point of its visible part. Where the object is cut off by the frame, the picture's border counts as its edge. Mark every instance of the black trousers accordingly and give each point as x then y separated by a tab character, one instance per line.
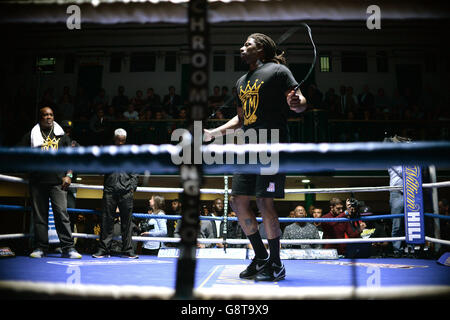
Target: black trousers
40	193
110	203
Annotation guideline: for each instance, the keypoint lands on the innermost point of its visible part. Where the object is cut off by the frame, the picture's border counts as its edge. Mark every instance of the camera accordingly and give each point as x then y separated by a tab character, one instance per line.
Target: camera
353	203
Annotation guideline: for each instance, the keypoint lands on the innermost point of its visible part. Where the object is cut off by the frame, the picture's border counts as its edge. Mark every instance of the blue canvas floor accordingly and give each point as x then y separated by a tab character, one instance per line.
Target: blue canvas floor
224	273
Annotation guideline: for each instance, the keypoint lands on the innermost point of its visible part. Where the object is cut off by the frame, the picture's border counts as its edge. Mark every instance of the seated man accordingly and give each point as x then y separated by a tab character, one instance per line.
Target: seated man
300	230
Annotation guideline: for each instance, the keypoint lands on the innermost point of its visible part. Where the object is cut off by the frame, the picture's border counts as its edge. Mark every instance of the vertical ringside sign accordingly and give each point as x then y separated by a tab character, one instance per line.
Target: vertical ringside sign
191	170
413	202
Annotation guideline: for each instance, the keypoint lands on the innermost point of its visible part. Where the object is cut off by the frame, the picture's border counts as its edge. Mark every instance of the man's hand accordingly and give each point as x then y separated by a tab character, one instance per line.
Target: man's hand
207	135
66	181
296	101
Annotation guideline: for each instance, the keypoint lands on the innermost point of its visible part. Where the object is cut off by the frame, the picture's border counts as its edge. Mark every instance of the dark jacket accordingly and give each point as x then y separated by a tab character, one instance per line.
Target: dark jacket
120	182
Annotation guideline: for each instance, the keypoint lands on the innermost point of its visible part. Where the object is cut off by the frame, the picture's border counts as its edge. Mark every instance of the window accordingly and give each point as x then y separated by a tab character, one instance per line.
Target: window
354	61
115	62
170	61
219	59
325	62
46	64
382	61
142	61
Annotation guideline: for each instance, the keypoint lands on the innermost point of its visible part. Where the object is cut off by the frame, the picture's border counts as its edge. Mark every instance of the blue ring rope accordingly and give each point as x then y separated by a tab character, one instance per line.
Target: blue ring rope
4	207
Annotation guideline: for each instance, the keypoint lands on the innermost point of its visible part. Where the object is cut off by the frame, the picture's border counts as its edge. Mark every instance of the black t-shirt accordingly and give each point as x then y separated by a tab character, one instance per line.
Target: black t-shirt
51	142
262	95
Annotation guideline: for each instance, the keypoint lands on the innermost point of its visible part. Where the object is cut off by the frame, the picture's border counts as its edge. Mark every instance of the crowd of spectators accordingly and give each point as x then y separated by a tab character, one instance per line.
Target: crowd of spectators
148	105
100	111
377	104
290	230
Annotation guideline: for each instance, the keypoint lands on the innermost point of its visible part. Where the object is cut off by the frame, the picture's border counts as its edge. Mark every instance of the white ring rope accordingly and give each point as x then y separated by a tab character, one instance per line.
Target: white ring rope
222	191
240	241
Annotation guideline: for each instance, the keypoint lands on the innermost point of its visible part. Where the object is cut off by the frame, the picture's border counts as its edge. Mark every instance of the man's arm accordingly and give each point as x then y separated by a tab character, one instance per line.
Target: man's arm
232	124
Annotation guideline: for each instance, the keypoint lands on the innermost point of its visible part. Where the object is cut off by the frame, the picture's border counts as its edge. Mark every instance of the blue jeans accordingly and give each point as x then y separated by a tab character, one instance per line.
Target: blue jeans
397	206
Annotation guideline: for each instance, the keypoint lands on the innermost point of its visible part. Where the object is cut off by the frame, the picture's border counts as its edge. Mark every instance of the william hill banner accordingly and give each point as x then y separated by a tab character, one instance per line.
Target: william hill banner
413	200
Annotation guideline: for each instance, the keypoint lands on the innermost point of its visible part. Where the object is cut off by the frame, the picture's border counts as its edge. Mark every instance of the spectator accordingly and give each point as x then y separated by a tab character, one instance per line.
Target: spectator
154	227
314	96
118	191
342	100
65	108
182	114
101	98
138	101
215	100
329	228
219	115
366	99
382	101
48	135
97	126
227	98
373	229
234	230
152	100
175	209
300	230
217	211
310	210
205	210
206	228
131	113
146	115
171	102
110	114
316	214
332	104
351	100
120	102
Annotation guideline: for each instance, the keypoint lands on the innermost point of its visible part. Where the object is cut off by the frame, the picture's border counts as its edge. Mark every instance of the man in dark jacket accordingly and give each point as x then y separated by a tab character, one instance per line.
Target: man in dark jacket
48	135
118	191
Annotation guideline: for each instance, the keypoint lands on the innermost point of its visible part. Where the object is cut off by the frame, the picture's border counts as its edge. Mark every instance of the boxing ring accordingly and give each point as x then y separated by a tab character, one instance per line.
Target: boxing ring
153	277
167	277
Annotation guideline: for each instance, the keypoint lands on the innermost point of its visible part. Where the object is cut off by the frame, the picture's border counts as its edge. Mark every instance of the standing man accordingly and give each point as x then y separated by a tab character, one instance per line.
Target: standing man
266	94
48	135
118	191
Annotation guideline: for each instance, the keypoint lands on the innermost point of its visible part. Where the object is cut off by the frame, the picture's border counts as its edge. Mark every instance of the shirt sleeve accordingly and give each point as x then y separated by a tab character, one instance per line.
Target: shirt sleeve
238	89
286	78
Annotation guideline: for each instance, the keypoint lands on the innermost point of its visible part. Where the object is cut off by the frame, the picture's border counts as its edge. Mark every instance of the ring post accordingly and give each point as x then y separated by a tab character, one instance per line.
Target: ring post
191	171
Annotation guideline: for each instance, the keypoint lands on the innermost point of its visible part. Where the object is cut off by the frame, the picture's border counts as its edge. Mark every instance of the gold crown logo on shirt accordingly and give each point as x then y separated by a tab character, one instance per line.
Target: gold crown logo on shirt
254	89
50	144
250	101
